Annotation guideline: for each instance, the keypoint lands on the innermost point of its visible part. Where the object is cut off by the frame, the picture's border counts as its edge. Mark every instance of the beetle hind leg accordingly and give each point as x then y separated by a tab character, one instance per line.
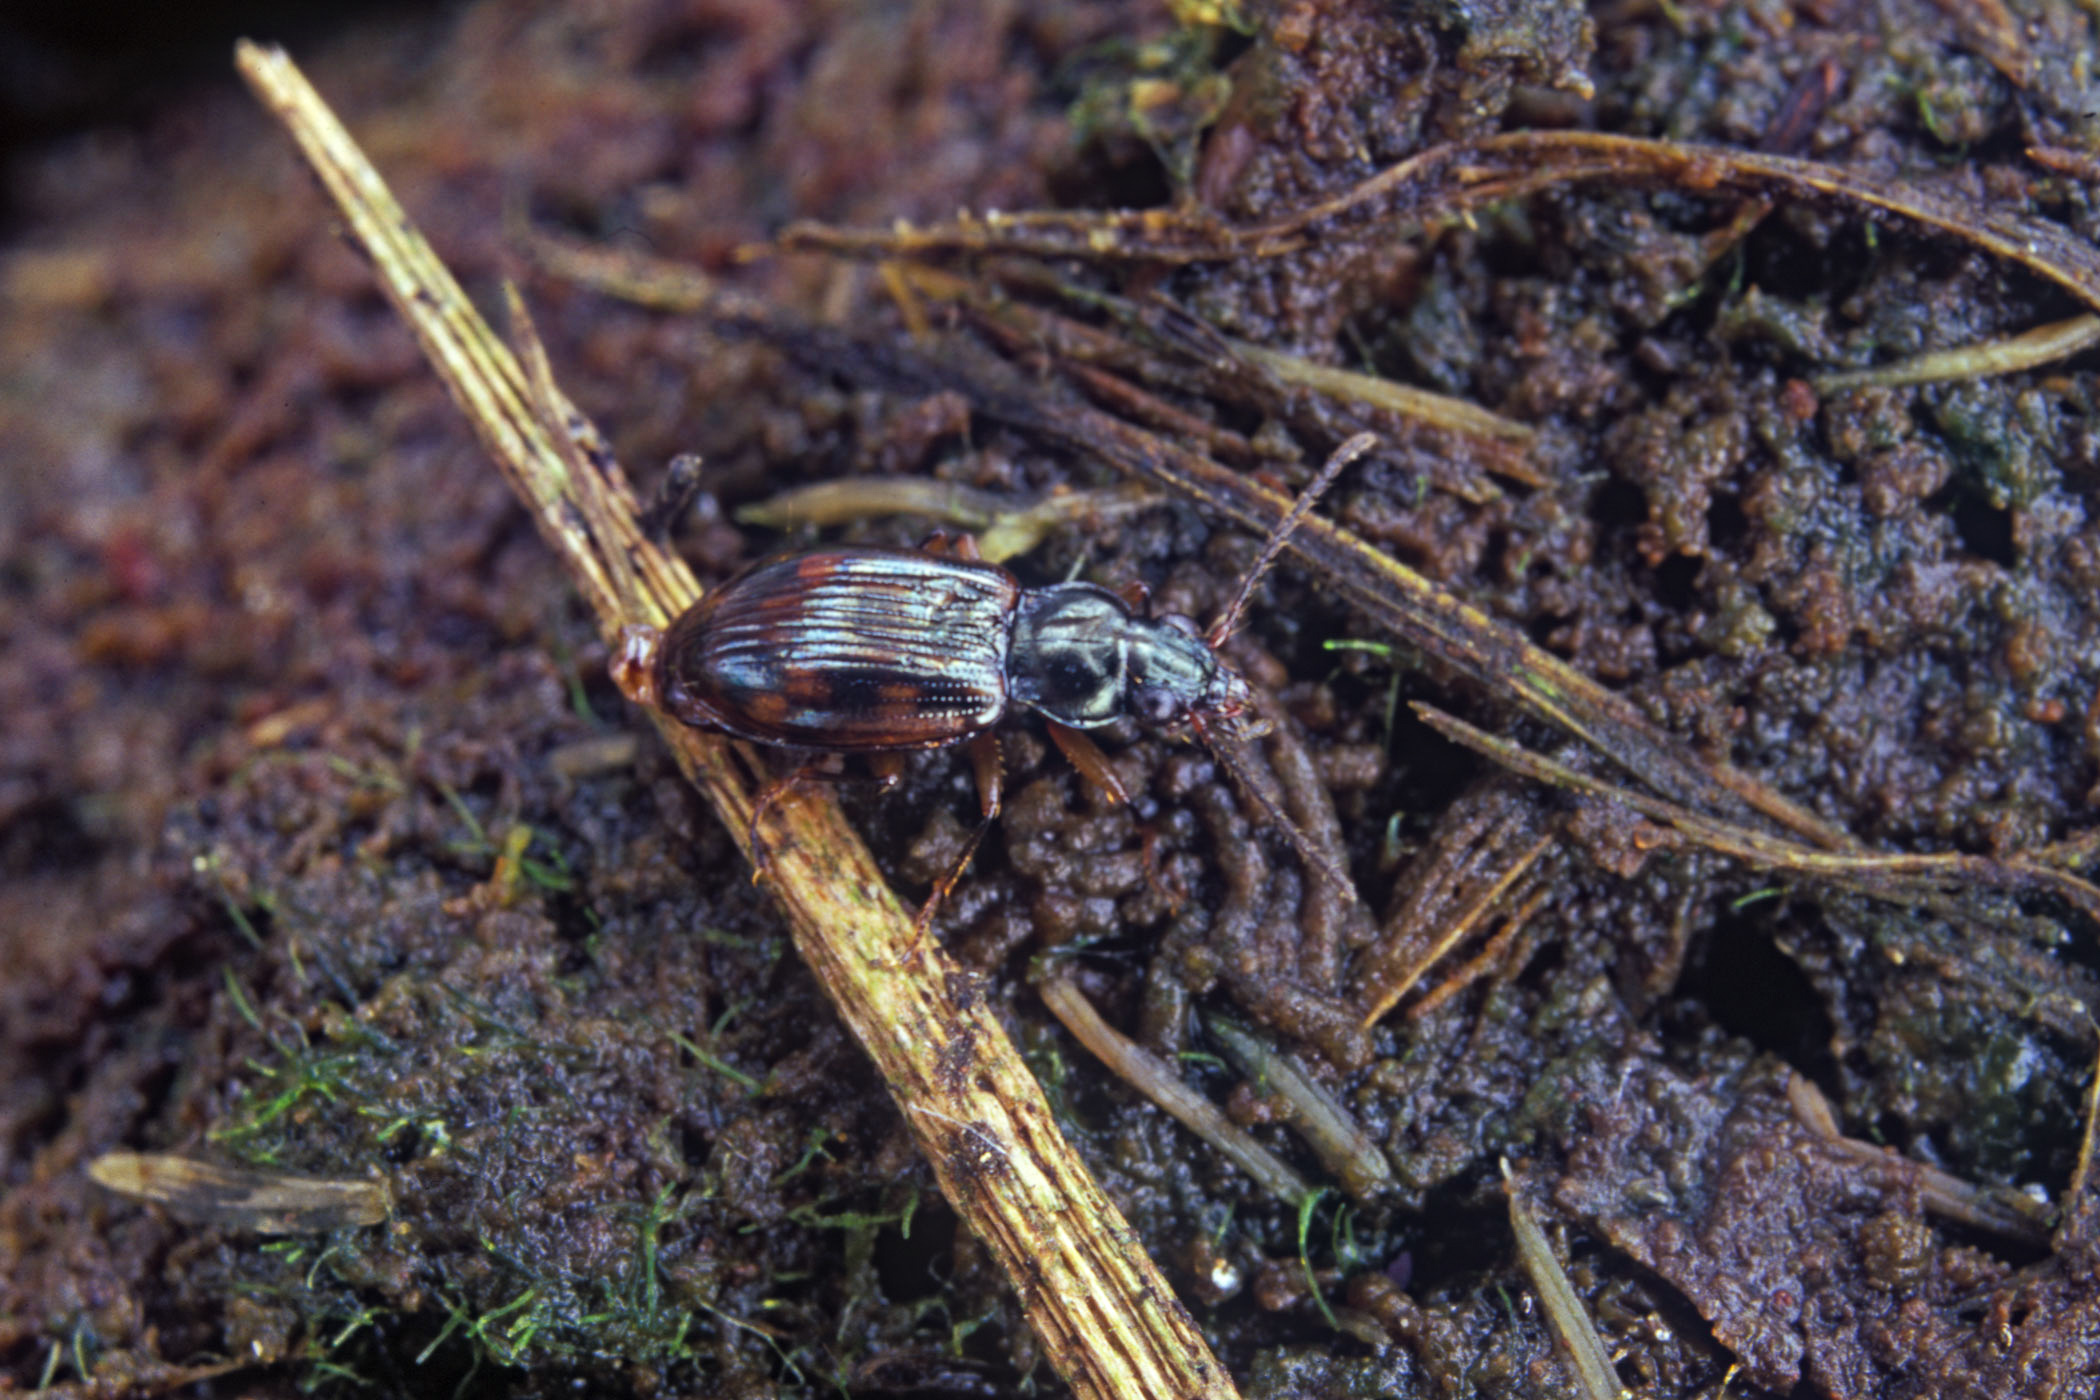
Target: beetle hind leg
769	795
806	773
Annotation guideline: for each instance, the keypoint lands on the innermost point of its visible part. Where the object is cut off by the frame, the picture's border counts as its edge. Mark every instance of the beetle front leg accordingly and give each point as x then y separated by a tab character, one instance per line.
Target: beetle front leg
674	497
1086	756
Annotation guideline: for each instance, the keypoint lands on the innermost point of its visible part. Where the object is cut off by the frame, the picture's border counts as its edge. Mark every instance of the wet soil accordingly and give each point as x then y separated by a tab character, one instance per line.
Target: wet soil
328	849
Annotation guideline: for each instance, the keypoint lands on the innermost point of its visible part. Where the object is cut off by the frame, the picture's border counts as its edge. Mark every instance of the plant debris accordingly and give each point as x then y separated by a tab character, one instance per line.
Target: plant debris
1716	742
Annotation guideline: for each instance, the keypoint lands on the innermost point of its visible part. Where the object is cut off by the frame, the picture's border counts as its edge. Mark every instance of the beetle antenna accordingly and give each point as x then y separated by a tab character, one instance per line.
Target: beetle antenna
1229	750
1228	621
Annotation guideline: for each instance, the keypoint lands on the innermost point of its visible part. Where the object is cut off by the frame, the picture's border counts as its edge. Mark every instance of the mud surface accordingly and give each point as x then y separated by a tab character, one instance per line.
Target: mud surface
327	848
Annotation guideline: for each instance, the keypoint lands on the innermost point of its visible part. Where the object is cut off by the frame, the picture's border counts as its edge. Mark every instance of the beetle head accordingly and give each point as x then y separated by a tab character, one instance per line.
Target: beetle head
1175	680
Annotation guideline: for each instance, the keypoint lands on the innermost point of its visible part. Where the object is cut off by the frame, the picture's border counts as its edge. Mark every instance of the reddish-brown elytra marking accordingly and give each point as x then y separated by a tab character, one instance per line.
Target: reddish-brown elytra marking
861	650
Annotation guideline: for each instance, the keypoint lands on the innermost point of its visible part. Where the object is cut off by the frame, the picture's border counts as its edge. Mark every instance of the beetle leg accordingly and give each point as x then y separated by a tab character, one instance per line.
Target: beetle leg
887	766
947	882
948	544
1230	743
1086	756
1137	595
771	793
991	786
823	769
991	774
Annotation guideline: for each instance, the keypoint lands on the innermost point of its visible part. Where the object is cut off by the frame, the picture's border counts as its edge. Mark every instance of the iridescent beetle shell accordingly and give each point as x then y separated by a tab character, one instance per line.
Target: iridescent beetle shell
855	649
848	649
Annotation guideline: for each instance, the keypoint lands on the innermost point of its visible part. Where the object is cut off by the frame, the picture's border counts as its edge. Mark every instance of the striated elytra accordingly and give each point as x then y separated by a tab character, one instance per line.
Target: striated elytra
855	649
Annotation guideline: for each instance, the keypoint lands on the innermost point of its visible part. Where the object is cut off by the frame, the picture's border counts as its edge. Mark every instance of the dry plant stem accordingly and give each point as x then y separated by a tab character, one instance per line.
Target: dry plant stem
1388	996
1486	828
1446	181
852	499
1005	528
1489	957
1436	410
2021	352
1105	1317
1571	1323
2079	1205
1882	875
1121	396
909	308
1444	184
1156	1080
1327	1126
2081	164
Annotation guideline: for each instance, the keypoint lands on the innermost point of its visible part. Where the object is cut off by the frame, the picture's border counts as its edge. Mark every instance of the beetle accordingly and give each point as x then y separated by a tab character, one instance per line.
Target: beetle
858	649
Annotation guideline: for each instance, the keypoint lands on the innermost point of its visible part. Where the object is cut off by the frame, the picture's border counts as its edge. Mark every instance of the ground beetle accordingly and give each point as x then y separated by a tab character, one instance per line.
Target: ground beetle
868	650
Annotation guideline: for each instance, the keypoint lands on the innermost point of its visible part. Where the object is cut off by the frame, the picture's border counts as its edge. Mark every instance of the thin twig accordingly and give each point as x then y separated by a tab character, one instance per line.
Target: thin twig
1445	184
271	1203
1156	1080
2079	1205
1485	961
1004	527
1436	410
1388	994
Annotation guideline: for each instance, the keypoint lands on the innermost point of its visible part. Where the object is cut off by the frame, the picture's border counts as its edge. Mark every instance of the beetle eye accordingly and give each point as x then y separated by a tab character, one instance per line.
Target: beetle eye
1154	705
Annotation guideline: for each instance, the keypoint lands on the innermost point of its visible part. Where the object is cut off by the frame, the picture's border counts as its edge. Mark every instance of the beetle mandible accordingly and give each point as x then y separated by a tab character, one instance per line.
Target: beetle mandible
856	649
